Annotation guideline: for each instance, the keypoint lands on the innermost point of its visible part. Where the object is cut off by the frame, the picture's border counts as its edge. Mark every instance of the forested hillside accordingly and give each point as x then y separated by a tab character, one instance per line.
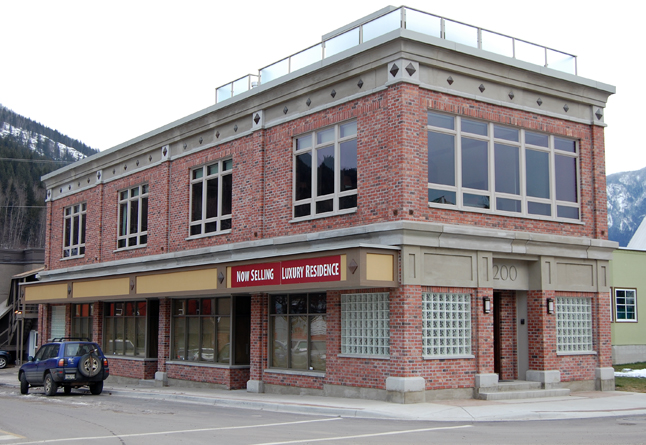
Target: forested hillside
29	150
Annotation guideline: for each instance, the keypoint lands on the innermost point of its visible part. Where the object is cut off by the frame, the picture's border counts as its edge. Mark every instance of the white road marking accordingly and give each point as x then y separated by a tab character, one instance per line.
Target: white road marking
5	435
161	433
359	436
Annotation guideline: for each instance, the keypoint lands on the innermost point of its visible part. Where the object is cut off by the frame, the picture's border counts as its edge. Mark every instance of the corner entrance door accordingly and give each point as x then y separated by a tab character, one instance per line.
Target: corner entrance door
522	342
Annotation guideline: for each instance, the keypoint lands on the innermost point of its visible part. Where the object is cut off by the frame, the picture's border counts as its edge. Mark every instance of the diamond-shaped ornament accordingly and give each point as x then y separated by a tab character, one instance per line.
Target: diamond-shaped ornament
285	110
353	266
220	277
235	128
511	95
449	80
308	102
410	69
256	118
333	93
360	83
217	134
394	70
566	108
481	88
539	101
599	113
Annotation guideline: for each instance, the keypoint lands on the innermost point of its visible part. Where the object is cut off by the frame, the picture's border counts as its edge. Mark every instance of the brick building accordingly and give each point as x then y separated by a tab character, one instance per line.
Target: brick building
412	209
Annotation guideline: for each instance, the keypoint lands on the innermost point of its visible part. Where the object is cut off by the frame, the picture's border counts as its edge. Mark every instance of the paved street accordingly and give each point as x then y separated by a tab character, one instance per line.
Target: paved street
132	413
125	420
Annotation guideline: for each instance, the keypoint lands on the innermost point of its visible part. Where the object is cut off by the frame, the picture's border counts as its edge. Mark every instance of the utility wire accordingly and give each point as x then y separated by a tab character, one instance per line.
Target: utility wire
40	161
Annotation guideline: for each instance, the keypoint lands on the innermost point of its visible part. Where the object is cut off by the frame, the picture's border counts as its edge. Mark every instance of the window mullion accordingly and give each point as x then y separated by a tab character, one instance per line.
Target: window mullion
552	173
457	152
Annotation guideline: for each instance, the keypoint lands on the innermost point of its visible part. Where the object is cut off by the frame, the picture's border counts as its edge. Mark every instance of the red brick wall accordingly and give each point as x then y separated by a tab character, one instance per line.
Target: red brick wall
136	369
235	378
392	178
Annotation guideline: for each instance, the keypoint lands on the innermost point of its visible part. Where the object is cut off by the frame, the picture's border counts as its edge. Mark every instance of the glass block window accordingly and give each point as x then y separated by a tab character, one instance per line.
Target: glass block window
365	324
573	324
446	329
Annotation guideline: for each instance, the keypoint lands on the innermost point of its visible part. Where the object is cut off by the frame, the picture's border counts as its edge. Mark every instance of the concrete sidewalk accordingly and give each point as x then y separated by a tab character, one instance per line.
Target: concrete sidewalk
579	405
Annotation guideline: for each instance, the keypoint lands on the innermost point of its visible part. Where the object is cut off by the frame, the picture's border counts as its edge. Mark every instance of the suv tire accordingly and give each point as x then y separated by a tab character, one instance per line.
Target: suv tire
50	385
3	362
90	365
96	388
24	385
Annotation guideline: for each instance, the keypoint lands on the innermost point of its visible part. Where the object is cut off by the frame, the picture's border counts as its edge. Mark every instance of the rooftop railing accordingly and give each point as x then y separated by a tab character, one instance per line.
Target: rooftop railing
414	20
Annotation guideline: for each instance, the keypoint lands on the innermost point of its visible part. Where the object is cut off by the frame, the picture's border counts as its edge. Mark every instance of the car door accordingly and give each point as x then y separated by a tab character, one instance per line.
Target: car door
31	368
48	361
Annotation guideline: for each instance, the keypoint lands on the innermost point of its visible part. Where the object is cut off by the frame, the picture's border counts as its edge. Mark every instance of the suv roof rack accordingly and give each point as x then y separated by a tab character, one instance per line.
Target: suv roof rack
71	339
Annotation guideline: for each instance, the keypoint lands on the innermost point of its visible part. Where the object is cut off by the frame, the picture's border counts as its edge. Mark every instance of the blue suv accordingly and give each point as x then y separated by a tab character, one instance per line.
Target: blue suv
66	362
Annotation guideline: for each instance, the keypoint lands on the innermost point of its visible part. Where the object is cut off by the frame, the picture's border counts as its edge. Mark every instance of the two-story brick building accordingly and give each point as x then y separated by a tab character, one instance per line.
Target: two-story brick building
413	208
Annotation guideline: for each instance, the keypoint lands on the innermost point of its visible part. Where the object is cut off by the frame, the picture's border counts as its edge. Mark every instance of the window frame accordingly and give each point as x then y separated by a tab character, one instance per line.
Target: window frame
140	236
337	195
82	322
225	169
70	234
215	315
523	197
310	316
110	325
615	305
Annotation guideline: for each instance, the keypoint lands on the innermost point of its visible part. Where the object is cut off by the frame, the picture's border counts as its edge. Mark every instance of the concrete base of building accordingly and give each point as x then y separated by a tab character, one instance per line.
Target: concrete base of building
604	379
579	385
549	379
292	390
256	386
352	392
485	383
405	389
192	384
161	378
449	394
622	355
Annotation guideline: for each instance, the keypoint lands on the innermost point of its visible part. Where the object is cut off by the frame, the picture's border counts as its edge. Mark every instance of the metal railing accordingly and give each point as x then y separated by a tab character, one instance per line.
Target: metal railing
414	20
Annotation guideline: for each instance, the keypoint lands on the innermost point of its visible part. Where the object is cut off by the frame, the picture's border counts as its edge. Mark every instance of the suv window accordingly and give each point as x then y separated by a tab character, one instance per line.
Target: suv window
78	349
47	351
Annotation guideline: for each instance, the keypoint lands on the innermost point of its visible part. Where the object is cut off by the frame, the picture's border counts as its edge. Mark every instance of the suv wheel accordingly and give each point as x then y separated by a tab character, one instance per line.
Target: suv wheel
24	386
90	365
50	385
3	362
96	388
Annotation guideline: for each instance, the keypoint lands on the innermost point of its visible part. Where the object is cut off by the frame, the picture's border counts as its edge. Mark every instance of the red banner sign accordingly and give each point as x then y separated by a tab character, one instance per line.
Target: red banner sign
310	270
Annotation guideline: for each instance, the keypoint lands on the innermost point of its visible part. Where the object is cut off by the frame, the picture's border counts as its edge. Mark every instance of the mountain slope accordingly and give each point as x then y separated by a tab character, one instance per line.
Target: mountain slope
29	150
626	204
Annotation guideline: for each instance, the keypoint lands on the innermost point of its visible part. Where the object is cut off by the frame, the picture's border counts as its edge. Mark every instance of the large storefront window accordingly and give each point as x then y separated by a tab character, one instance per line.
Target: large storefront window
82	315
125	329
211	330
298	331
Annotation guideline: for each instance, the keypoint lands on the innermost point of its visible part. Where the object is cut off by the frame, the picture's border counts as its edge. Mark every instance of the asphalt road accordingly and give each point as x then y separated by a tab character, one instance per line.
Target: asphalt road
109	419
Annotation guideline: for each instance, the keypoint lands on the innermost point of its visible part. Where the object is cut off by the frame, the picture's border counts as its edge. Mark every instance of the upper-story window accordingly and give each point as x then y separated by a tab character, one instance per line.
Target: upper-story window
74	230
133	217
211	197
325	171
482	166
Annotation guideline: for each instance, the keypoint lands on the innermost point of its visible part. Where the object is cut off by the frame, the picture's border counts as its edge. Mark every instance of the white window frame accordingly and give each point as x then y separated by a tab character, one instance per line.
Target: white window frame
338	194
365	325
224	168
76	246
574	328
491	193
616	305
140	237
443	312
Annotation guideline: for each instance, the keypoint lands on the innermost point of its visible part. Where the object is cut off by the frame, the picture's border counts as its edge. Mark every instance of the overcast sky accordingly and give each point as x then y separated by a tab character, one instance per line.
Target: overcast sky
106	72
